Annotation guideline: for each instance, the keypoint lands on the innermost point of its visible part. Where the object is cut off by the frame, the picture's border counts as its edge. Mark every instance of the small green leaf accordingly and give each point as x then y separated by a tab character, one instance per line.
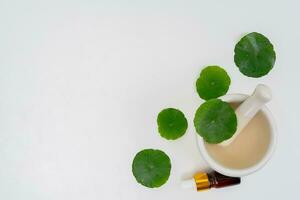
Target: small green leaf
172	123
213	82
254	55
151	168
215	121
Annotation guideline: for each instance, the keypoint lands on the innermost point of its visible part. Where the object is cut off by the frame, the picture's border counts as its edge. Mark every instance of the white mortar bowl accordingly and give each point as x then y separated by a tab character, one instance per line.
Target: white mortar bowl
246	171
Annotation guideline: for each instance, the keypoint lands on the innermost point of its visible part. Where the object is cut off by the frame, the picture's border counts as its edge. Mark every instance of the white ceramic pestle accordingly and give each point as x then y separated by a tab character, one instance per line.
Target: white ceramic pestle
247	110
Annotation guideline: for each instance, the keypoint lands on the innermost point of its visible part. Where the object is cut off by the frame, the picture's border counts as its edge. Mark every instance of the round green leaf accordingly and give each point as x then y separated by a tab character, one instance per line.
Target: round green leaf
213	82
151	168
172	123
254	55
215	121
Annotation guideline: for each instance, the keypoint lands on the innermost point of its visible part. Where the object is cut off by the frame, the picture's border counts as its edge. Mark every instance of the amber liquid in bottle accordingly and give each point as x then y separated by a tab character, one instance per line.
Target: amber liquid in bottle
204	181
218	180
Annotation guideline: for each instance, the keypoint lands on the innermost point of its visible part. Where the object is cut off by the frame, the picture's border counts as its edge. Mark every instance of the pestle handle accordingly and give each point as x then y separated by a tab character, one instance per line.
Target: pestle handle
247	110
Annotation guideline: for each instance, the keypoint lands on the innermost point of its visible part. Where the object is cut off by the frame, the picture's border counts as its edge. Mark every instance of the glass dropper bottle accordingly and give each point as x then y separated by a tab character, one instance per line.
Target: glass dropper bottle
204	181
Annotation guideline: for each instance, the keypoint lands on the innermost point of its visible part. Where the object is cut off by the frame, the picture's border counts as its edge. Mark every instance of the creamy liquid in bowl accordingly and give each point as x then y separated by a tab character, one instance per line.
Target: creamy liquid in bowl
248	148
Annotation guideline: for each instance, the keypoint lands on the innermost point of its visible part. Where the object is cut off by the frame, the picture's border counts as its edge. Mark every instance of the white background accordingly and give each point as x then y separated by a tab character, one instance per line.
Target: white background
81	83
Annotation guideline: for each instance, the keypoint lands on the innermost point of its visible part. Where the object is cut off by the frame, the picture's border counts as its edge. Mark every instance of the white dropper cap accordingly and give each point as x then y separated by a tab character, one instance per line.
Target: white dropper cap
188	184
247	110
199	182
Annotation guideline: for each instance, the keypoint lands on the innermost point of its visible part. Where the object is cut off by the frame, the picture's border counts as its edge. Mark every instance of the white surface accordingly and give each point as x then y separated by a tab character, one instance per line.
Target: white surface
81	83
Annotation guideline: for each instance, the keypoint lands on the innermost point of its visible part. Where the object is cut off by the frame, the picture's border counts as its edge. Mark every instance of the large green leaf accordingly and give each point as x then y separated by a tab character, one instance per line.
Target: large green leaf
213	82
151	168
254	55
172	123
215	120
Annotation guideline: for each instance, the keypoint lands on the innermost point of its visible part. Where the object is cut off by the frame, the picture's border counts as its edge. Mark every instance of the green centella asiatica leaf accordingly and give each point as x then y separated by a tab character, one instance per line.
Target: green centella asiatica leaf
172	123
213	82
254	55
215	121
151	167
